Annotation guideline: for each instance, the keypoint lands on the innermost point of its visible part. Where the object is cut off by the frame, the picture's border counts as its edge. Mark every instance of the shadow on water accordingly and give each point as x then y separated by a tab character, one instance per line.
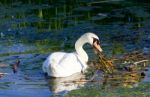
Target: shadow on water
30	30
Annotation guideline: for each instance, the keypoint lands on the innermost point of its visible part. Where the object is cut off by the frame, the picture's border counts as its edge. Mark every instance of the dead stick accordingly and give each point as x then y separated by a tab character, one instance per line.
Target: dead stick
141	61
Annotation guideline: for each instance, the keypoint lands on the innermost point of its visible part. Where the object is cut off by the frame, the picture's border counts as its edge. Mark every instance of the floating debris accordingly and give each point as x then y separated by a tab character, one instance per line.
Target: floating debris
2	74
126	70
122	78
105	64
15	66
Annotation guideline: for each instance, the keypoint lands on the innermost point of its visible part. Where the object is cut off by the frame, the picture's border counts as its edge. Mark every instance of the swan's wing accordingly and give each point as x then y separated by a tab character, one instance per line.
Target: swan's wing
62	64
61	58
70	62
56	57
53	58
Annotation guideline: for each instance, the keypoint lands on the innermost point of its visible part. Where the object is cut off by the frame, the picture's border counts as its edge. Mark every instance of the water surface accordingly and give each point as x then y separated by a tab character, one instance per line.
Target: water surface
30	30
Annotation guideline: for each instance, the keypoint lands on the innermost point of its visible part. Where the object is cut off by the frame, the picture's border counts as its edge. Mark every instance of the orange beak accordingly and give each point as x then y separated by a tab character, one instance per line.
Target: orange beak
97	47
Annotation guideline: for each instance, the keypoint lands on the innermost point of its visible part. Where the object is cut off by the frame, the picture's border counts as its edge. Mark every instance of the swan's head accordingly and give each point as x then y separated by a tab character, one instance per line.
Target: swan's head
90	38
94	41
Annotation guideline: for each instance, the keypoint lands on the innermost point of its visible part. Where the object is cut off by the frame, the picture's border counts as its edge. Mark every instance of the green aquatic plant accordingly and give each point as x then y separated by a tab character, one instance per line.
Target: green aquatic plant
141	91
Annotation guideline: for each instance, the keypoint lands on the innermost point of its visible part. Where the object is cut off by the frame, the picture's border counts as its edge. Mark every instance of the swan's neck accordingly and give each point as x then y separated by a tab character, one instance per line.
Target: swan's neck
80	51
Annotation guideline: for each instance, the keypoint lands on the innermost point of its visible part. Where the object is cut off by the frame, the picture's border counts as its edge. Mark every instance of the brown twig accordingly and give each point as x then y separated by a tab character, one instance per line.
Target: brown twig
135	63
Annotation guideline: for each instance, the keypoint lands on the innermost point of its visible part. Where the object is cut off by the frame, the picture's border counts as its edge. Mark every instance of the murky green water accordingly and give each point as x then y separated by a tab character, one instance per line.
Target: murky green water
30	30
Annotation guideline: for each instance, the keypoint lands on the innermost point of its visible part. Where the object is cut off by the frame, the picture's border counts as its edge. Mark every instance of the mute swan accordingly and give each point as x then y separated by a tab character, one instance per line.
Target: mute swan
62	64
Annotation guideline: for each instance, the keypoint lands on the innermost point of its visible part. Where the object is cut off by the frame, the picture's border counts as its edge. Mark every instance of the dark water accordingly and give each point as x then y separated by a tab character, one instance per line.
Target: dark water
30	30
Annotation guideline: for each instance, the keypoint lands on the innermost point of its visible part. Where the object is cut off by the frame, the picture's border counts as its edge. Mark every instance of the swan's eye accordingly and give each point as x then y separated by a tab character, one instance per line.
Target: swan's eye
95	40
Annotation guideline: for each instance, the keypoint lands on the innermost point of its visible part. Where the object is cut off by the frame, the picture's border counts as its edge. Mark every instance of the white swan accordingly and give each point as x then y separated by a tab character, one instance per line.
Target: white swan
62	64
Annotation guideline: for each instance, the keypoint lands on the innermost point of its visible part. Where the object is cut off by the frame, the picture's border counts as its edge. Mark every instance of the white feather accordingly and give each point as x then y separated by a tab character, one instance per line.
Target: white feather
61	64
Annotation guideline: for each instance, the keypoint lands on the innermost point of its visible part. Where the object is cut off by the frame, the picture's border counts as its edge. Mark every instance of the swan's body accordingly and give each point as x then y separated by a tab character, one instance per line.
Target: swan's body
61	64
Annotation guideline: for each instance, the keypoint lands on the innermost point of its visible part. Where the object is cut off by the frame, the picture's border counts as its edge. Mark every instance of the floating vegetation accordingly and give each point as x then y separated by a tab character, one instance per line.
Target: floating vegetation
130	62
105	64
133	61
126	70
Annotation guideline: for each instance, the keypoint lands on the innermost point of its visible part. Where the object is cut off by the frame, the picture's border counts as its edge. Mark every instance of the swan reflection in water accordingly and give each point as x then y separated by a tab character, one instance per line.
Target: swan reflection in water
65	84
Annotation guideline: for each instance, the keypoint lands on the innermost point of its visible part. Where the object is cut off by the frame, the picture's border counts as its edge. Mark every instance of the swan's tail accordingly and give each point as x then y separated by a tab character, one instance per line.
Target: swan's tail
44	66
49	66
54	67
